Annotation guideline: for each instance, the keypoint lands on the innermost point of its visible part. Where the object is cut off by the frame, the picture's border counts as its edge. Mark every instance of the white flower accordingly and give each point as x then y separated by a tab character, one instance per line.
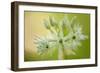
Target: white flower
58	38
44	44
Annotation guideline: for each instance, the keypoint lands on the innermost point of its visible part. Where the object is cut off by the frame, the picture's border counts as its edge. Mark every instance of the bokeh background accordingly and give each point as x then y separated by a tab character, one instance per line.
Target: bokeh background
34	26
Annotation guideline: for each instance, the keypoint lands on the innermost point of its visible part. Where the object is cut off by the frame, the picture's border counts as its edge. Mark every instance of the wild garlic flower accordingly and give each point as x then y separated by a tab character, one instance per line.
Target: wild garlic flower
65	35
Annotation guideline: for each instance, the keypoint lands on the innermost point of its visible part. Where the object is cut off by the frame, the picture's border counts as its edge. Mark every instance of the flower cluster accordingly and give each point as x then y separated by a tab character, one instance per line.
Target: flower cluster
64	35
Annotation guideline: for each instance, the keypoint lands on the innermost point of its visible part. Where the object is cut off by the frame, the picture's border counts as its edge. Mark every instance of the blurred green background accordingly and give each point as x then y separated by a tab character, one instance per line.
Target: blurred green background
33	24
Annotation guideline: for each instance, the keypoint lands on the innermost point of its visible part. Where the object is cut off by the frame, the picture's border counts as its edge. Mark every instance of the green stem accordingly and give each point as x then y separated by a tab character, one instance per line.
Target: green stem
61	52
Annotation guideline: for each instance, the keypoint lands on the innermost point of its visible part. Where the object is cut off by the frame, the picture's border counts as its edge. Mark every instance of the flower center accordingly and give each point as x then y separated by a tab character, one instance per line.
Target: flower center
47	46
60	41
74	37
